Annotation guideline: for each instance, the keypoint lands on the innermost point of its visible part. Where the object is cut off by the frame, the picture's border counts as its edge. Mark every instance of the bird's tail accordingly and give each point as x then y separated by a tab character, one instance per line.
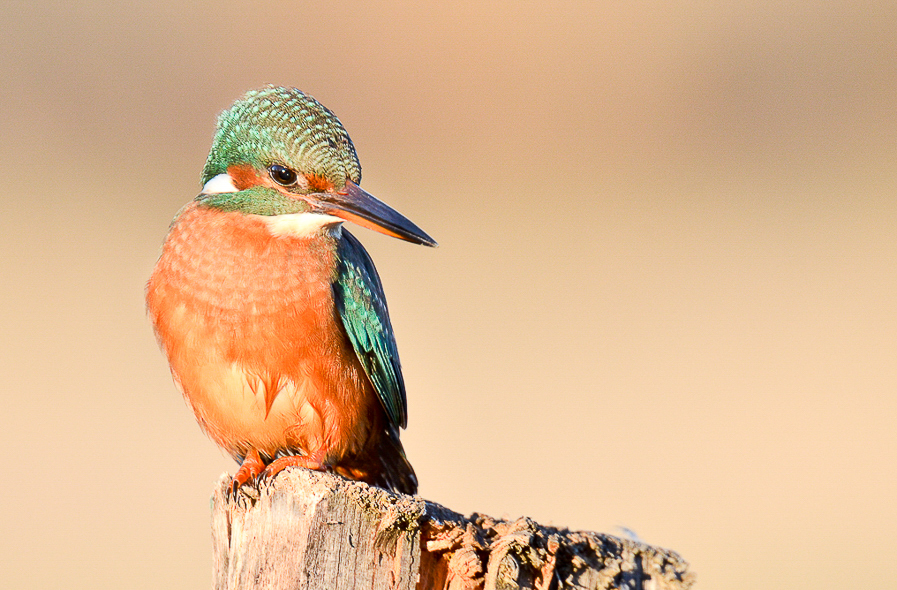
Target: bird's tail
384	465
396	473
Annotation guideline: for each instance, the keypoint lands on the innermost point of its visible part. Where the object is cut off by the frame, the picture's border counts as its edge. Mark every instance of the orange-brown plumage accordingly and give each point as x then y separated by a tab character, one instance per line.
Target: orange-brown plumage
248	324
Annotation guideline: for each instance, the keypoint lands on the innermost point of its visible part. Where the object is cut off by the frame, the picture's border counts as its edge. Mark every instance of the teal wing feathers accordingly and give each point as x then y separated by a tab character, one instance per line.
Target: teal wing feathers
361	305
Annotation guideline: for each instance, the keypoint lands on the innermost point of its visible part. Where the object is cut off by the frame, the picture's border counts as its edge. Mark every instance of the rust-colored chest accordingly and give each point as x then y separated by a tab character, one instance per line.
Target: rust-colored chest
248	324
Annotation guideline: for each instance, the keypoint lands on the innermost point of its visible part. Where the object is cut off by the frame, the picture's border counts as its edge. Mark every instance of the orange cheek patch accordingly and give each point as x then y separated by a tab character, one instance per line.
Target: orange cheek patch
318	183
244	176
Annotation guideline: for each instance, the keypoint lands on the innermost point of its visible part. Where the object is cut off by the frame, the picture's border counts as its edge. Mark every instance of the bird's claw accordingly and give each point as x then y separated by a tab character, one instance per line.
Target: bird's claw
253	468
250	469
278	465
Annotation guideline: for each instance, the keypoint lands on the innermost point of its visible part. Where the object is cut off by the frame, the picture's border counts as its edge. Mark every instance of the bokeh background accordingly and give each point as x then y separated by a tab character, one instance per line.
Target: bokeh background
664	297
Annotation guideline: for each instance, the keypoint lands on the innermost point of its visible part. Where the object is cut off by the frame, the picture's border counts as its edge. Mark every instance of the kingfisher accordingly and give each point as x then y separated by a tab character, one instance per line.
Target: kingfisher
271	314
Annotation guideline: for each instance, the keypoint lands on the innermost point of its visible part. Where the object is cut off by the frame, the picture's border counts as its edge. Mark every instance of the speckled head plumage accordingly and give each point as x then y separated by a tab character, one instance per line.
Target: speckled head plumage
281	154
277	125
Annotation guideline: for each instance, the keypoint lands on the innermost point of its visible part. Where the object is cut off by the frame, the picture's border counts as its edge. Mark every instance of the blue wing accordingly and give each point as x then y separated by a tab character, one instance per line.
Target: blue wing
362	307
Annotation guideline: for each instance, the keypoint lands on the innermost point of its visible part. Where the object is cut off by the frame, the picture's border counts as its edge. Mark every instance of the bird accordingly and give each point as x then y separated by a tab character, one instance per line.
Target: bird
271	314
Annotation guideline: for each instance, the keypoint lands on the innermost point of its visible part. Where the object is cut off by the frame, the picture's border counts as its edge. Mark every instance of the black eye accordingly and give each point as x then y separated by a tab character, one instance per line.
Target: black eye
282	175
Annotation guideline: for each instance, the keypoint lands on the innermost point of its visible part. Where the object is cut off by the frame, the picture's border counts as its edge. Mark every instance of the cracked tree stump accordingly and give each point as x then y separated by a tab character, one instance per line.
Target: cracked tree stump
308	530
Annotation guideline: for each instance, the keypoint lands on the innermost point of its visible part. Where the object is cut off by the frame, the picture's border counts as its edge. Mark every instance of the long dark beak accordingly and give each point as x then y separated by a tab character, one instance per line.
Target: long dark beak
358	206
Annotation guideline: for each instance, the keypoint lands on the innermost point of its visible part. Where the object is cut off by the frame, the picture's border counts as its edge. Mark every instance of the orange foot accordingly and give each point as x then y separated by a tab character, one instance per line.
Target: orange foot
249	469
309	462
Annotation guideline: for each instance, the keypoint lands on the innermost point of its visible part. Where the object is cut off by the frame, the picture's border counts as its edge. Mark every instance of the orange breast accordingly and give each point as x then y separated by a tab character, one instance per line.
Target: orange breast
254	342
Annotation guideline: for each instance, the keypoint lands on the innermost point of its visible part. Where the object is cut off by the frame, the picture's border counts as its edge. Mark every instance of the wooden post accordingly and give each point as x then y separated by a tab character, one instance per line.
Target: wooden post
309	531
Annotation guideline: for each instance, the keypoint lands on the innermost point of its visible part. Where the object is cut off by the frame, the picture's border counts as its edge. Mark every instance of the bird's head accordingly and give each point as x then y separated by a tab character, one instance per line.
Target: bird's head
280	153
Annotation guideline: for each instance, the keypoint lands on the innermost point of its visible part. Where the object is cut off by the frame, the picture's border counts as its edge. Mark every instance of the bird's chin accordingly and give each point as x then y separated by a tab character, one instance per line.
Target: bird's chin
300	225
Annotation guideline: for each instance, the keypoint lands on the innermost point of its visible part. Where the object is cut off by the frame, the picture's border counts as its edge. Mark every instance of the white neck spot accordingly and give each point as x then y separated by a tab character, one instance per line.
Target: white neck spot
217	185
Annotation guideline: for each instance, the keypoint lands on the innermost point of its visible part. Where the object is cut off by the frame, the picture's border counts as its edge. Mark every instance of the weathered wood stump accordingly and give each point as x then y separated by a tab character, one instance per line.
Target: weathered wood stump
309	531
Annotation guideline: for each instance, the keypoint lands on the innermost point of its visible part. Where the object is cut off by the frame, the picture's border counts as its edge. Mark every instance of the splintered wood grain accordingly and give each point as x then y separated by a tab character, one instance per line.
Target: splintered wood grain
311	532
308	530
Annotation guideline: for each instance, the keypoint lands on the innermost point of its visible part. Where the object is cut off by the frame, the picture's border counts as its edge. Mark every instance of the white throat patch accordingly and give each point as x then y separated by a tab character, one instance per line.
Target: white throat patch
299	224
217	185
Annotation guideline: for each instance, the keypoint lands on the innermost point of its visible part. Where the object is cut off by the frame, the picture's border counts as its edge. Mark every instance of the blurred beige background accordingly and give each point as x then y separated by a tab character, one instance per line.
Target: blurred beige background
664	297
